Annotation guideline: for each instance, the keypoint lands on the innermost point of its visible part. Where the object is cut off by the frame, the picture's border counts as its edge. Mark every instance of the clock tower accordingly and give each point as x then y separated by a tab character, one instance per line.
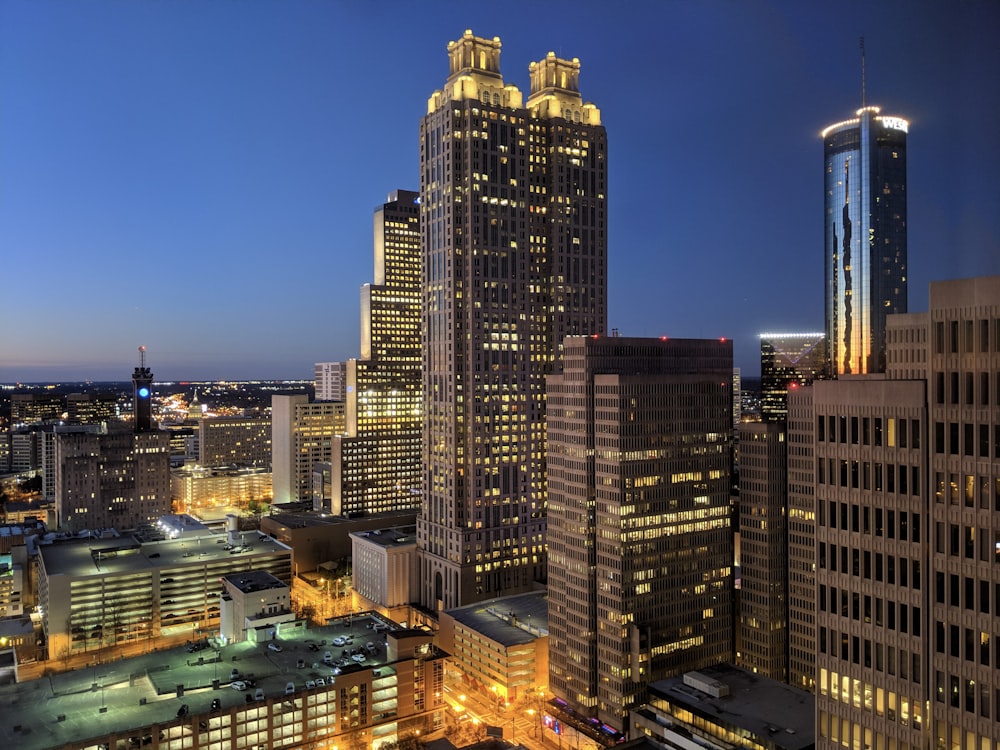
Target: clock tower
142	394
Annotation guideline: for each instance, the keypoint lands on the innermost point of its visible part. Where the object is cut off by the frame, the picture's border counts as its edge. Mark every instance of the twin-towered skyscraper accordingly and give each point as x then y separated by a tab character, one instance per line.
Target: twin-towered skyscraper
514	235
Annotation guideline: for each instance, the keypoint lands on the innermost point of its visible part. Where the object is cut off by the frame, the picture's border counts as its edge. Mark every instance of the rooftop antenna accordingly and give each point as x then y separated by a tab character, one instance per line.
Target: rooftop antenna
142	357
864	93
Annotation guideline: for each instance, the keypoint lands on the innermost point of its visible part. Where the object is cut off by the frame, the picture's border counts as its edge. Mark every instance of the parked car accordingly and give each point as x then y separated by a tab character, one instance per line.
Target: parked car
274	645
238	685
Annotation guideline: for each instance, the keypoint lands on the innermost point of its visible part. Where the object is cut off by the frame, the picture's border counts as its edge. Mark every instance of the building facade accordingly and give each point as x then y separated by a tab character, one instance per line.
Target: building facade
514	233
330	381
234	441
762	629
639	530
99	594
788	360
376	463
907	511
865	236
301	436
115	478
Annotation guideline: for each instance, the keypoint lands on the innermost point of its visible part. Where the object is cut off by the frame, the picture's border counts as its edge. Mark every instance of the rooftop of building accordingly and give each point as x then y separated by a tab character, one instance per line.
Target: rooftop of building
127	554
391	537
249	581
134	694
762	706
300	519
510	620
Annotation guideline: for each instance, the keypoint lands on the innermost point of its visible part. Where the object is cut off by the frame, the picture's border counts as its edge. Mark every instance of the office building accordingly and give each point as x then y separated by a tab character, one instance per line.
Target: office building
762	623
639	532
234	441
330	381
788	360
301	436
34	408
384	564
514	234
865	236
91	408
376	463
907	507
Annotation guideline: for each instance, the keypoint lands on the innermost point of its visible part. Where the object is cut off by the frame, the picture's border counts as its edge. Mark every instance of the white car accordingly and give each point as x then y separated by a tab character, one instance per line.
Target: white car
238	685
274	645
338	641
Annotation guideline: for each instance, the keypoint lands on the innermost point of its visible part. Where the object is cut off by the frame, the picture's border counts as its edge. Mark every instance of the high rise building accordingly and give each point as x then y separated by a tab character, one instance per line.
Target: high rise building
865	236
111	476
301	437
788	360
376	463
762	629
234	441
906	474
639	533
330	381
514	234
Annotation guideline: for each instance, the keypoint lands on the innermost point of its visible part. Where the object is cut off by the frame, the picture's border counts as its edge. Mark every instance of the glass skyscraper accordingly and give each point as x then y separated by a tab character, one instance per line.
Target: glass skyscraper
865	236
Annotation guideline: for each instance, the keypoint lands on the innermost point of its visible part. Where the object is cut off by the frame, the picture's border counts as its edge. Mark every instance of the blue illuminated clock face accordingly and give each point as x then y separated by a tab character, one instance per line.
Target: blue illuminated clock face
144	393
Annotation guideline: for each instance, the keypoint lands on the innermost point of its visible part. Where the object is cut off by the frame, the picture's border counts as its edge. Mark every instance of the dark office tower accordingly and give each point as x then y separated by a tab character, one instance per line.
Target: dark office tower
142	394
639	531
865	237
376	464
762	628
514	235
788	360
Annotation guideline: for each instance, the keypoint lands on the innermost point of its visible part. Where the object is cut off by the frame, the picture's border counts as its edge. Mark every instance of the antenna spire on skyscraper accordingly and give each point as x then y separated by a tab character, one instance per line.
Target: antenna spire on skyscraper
864	93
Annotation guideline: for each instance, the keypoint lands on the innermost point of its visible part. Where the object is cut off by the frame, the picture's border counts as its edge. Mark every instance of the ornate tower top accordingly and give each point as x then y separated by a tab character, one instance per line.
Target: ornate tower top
474	73
555	91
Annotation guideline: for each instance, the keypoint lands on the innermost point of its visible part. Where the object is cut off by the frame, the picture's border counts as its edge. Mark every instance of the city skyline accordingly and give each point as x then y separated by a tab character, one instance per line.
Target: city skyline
199	178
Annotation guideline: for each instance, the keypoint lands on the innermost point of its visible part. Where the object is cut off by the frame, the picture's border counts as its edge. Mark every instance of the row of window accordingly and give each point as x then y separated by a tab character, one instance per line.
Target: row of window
859	563
875	431
865	475
891	524
871	610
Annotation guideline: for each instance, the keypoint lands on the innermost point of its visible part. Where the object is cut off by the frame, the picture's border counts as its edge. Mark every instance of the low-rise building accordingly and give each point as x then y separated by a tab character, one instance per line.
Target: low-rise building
724	707
254	604
500	646
101	593
385	568
370	683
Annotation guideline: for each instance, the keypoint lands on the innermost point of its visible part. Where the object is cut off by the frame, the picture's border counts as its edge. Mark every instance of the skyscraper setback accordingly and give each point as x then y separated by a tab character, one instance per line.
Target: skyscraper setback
376	464
515	259
865	236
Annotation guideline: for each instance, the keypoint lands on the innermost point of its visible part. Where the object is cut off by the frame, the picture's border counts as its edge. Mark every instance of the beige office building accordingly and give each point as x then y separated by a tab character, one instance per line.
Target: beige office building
907	508
234	441
301	437
514	234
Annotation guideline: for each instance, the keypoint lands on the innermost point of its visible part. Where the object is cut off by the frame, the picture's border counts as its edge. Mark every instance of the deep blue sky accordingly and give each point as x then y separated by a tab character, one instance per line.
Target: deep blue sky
199	176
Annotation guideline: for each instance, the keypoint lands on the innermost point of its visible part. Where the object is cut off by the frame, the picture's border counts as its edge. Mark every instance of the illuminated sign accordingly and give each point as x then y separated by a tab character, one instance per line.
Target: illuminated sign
896	123
144	393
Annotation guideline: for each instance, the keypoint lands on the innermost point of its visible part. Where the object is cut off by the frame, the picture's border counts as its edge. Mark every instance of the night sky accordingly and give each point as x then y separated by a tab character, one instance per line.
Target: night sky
199	177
